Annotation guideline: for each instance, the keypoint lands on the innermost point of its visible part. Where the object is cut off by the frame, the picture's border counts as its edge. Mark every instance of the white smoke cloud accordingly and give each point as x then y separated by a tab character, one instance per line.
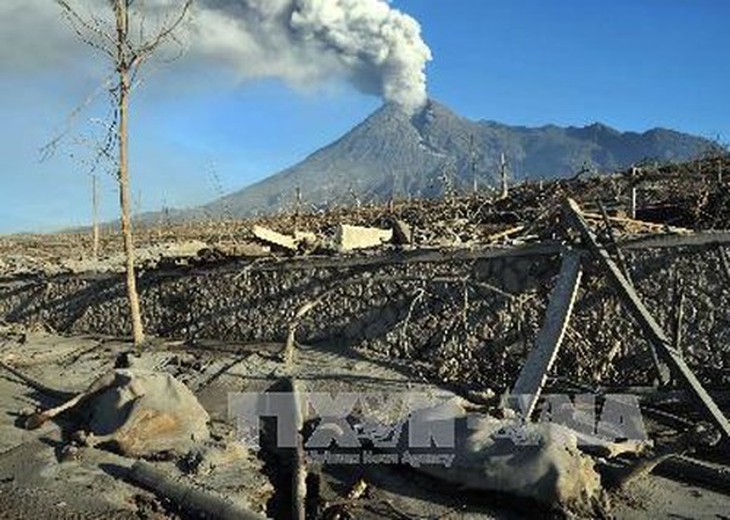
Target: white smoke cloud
375	47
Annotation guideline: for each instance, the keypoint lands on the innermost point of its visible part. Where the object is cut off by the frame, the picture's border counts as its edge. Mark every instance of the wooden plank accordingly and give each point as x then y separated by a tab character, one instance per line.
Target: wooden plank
533	375
649	326
701	239
641	223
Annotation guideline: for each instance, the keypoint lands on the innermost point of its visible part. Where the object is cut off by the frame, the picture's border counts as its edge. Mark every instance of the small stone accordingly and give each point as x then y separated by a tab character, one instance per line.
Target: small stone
70	453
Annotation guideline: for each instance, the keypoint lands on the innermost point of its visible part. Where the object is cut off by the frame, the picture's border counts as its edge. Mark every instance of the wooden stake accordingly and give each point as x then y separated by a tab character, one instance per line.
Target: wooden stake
678	318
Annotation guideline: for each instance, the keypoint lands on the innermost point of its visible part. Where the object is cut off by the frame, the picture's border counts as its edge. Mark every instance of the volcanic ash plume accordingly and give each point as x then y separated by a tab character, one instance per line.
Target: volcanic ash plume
374	46
304	42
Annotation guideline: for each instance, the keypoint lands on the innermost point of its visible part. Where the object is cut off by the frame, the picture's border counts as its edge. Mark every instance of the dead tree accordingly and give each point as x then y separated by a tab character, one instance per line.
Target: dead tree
95	217
127	50
503	175
473	165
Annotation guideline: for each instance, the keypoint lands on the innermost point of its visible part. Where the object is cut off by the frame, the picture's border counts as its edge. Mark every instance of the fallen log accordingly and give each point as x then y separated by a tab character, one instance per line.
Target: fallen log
186	497
687	469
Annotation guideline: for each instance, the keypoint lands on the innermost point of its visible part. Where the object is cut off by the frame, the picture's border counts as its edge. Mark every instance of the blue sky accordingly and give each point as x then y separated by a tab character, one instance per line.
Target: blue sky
197	132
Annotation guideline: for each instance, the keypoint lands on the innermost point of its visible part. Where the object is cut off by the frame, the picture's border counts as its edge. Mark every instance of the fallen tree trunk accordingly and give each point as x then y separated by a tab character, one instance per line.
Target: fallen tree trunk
686	469
186	497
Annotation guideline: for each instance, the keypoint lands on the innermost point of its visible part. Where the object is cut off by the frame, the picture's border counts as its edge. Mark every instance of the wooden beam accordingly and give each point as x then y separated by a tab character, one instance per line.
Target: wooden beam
651	329
533	375
641	223
699	239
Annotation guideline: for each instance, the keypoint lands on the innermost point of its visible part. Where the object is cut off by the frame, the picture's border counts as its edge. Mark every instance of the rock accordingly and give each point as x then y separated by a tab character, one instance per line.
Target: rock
203	460
349	238
486	396
143	413
540	461
244	249
185	248
271	237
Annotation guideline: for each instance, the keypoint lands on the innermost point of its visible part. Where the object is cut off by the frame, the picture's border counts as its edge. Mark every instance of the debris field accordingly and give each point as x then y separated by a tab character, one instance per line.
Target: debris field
571	339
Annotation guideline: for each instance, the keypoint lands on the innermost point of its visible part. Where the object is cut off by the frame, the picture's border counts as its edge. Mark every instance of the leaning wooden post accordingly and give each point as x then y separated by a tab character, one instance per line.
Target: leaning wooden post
724	260
651	329
533	375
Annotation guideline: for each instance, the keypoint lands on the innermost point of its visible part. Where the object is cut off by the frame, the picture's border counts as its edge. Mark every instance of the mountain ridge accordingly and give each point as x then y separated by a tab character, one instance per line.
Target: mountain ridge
391	154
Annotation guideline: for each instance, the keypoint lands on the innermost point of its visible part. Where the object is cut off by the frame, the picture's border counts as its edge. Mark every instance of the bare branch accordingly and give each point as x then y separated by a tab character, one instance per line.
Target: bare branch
139	55
91	27
48	149
86	36
142	35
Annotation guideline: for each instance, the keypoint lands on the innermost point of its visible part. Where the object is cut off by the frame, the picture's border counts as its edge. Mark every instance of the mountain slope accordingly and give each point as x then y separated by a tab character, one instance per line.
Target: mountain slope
392	154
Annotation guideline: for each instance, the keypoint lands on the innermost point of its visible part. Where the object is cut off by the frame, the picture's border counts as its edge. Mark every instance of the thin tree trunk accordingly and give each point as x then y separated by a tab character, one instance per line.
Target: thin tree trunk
124	197
127	55
503	176
95	217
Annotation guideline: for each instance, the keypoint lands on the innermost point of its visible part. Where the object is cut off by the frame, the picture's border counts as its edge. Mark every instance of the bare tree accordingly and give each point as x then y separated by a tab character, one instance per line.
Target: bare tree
127	50
95	217
503	176
473	165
